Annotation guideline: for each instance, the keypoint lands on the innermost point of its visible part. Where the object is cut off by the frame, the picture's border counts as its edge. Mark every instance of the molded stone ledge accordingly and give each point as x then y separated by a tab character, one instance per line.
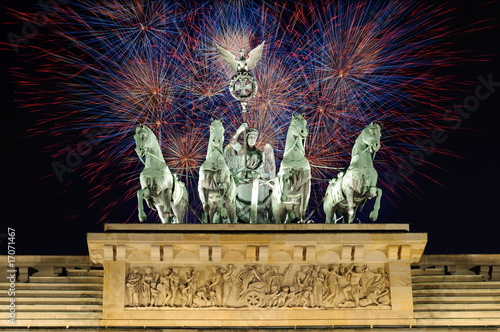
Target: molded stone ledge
225	228
50	265
488	266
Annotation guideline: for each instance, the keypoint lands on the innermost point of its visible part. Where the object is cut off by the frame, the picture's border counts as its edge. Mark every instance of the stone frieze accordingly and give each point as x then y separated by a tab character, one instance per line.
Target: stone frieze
254	286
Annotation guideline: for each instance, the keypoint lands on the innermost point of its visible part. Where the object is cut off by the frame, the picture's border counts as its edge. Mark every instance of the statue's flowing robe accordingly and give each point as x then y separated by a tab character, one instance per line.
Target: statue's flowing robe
265	169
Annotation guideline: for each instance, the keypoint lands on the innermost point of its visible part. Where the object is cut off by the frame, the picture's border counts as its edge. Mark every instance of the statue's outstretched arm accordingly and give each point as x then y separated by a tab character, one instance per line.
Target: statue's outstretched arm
234	140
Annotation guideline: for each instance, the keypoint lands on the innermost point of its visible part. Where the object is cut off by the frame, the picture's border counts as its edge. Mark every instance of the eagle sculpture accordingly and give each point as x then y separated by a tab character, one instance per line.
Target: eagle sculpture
241	63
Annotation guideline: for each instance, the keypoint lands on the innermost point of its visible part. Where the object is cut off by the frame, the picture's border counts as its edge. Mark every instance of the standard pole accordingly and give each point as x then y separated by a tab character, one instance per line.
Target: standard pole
244	107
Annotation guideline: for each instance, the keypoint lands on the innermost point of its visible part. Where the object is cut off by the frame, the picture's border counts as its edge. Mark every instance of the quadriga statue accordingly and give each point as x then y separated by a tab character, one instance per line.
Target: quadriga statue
359	183
159	188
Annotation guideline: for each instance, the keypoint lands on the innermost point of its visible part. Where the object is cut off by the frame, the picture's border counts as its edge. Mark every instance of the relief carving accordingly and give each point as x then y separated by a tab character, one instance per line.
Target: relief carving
259	286
133	280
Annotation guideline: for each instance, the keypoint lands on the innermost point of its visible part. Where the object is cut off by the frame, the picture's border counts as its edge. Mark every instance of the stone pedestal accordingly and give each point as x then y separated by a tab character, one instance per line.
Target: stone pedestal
194	275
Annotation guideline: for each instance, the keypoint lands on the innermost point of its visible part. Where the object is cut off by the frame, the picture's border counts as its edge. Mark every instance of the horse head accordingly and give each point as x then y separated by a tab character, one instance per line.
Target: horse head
216	134
297	133
141	139
298	126
371	136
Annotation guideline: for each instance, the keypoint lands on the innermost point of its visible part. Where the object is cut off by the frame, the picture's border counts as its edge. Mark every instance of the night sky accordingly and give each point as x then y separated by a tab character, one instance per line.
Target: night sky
460	213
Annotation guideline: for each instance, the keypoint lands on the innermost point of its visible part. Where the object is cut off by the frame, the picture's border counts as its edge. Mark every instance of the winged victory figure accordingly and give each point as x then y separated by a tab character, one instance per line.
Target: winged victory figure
242	63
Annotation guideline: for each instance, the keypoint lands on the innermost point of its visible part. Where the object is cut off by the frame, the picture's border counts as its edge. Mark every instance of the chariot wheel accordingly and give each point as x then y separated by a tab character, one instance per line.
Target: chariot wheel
253	299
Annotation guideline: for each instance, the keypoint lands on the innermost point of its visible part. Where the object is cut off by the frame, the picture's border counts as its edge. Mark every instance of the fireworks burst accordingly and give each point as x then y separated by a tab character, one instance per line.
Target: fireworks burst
124	63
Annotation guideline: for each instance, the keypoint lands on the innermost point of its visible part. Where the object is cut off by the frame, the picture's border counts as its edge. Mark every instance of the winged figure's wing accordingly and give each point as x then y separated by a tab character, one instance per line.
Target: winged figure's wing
228	57
232	158
254	56
269	164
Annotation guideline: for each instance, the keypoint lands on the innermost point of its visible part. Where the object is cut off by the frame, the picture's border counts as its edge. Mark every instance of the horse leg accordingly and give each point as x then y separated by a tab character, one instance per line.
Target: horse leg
290	215
211	212
276	201
328	208
282	213
349	195
304	199
206	206
232	216
231	211
164	216
180	208
141	195
274	210
223	213
205	214
168	202
164	210
376	207
208	214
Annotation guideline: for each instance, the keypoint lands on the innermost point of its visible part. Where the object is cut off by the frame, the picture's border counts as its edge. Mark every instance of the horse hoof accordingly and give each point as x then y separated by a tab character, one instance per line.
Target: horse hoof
373	216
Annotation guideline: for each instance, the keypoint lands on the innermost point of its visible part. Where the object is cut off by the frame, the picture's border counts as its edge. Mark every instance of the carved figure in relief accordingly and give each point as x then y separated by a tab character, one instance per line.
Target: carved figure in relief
378	289
282	297
262	289
175	283
145	294
381	279
212	298
133	285
318	280
354	275
229	282
185	298
383	297
216	285
191	284
306	298
165	289
162	293
154	288
154	295
332	283
201	297
271	298
343	284
278	278
302	278
289	293
247	277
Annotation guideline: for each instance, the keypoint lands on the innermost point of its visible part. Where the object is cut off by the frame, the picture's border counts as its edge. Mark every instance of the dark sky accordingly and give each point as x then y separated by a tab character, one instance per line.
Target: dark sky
460	214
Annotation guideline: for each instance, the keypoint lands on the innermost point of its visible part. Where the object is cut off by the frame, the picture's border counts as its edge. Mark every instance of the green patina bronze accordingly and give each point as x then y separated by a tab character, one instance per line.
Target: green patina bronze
359	183
159	188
